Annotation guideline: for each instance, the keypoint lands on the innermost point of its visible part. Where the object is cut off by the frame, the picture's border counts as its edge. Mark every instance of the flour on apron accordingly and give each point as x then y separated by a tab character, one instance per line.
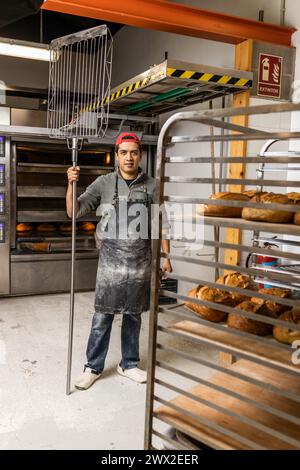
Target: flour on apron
124	269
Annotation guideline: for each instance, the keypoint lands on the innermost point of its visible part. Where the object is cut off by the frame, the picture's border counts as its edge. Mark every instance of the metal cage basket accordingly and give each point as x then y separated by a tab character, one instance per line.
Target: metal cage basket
79	84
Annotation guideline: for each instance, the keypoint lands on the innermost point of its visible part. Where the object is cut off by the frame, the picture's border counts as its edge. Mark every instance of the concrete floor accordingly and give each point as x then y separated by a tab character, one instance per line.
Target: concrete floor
35	413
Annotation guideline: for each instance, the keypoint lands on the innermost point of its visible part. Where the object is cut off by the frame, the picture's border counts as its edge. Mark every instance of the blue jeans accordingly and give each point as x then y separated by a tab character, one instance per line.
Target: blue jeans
98	342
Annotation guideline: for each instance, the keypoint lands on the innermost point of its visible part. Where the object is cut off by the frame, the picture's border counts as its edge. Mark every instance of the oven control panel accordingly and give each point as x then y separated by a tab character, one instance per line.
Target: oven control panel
2	146
2	174
2	203
2	232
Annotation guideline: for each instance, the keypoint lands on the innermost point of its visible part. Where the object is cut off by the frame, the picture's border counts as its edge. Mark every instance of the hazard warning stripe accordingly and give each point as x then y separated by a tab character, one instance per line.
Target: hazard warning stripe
209	77
187	74
176	73
126	90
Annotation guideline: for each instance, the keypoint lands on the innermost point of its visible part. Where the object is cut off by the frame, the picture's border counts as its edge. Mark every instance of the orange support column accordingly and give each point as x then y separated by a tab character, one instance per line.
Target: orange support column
243	61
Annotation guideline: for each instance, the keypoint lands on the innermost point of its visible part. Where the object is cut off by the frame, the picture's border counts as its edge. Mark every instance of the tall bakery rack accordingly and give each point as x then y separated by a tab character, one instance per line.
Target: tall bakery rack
254	403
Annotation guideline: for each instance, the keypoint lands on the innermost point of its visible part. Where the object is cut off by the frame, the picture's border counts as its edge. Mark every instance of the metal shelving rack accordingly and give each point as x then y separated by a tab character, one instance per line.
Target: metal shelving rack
254	403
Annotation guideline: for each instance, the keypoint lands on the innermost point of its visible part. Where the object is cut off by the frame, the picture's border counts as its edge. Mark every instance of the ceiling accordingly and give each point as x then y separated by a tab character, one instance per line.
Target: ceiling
54	25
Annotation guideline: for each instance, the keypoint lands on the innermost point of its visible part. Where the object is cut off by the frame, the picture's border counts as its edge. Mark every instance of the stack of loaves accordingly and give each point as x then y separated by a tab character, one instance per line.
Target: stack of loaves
268	215
218	296
251	213
220	210
246	303
262	307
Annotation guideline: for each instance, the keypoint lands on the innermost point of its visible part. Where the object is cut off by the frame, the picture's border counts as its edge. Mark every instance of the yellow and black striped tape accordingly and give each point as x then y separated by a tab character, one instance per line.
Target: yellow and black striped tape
117	94
133	86
187	74
209	77
176	73
126	90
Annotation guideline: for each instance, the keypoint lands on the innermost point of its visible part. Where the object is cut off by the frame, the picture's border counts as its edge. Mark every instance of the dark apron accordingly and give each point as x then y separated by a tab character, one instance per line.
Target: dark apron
124	269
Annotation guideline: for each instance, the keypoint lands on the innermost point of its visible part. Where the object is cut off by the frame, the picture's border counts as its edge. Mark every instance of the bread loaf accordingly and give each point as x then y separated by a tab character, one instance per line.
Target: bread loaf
24	227
254	327
271	308
287	334
45	227
211	295
297	215
66	227
38	247
268	215
223	211
236	279
250	192
295	197
86	226
193	293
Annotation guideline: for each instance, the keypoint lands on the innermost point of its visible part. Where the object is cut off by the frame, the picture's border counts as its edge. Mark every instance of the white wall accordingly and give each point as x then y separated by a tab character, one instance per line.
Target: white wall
136	49
243	8
23	73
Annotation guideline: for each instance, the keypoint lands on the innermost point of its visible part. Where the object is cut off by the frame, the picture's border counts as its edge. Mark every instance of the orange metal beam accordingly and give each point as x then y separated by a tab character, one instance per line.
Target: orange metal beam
175	18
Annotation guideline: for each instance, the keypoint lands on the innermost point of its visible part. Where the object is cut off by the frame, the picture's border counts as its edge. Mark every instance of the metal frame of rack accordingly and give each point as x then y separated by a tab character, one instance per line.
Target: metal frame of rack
262	169
254	403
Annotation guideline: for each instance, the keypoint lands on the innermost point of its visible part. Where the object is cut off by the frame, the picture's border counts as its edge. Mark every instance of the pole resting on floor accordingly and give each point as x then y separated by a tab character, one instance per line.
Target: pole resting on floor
78	109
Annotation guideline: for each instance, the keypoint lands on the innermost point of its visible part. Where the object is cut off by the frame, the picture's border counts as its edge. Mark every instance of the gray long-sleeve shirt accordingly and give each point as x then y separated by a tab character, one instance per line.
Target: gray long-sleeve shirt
98	197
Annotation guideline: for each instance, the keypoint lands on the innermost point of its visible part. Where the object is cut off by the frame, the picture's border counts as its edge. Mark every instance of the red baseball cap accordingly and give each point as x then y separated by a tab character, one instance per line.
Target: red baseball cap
127	137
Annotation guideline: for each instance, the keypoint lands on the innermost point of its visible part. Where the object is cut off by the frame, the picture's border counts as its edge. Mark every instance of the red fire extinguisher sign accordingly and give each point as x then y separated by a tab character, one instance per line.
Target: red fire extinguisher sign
269	75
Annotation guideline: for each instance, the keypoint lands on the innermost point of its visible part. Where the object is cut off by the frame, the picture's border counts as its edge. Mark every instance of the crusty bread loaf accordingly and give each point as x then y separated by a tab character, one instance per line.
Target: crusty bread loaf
86	227
24	227
294	196
271	308
250	192
236	279
255	327
193	293
295	199
268	215
211	295
66	227
288	335
38	247
45	227
223	211
297	215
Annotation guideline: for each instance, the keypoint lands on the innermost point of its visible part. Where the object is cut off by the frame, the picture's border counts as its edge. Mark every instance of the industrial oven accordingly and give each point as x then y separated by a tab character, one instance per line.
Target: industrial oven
35	235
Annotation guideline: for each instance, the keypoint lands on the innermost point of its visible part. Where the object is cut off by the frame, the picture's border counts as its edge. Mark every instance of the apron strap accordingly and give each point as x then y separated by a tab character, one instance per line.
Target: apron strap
116	192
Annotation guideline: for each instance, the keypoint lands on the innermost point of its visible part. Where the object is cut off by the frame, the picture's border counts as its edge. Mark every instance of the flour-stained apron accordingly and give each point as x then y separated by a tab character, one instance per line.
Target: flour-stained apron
124	269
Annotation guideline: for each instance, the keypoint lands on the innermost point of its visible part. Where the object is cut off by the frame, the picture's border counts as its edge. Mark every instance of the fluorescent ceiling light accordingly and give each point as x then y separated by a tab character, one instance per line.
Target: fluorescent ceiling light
24	50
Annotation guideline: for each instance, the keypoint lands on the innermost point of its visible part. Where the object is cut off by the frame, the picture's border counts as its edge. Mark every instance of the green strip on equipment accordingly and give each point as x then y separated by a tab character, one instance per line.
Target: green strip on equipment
157	99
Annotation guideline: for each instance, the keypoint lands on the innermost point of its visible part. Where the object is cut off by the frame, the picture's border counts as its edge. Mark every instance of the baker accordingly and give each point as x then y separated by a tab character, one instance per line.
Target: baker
122	199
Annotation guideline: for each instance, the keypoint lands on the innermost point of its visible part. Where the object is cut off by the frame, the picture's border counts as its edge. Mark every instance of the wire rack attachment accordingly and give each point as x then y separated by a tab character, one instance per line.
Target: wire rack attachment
79	84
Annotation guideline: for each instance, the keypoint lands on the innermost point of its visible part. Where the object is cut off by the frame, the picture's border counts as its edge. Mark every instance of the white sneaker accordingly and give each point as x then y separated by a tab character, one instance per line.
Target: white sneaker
135	374
86	379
